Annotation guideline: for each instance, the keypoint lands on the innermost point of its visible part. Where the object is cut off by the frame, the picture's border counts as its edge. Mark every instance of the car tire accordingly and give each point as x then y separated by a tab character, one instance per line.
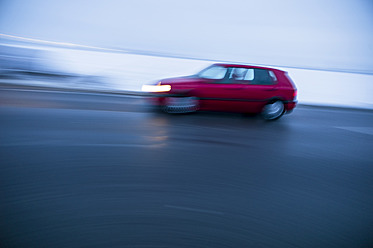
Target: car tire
180	105
273	110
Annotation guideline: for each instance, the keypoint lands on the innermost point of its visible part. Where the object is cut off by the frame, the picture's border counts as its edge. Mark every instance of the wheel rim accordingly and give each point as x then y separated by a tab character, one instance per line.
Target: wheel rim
273	110
181	104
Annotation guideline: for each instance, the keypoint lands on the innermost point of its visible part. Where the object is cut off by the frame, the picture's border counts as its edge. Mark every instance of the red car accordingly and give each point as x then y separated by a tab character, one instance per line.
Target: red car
228	88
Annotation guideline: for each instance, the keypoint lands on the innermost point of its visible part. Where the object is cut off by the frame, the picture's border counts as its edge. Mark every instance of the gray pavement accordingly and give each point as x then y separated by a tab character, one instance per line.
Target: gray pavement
102	170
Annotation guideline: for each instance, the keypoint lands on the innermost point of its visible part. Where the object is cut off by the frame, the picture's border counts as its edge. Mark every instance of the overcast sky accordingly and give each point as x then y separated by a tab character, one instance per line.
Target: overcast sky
319	33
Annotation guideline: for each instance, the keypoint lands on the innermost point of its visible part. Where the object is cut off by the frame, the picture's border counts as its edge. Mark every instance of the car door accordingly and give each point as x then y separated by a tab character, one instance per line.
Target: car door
240	90
219	94
259	86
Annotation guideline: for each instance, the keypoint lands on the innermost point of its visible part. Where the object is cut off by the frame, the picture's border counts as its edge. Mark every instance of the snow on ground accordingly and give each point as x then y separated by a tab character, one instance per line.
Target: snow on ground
333	88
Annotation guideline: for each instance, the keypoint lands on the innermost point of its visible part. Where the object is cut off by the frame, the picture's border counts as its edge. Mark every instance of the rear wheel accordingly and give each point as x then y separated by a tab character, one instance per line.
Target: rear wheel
177	105
273	111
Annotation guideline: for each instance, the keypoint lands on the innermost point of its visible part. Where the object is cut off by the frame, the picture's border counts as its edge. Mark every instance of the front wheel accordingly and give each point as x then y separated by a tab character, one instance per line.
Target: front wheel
177	105
273	111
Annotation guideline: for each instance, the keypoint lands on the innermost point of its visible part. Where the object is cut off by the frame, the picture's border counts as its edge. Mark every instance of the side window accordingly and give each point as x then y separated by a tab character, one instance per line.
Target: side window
249	75
237	73
263	77
252	76
241	74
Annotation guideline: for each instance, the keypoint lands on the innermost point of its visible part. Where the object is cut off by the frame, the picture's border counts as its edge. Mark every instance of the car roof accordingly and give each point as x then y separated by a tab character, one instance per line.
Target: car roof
248	66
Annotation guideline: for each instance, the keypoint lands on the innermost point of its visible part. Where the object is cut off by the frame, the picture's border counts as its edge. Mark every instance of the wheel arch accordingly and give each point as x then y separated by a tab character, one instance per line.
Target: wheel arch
267	115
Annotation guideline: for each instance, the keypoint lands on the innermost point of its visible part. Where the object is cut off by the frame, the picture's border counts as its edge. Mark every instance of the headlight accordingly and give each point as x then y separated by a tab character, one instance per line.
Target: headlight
156	88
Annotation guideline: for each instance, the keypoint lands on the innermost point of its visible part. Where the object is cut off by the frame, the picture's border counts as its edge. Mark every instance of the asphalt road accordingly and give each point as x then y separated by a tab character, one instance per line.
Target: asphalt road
92	170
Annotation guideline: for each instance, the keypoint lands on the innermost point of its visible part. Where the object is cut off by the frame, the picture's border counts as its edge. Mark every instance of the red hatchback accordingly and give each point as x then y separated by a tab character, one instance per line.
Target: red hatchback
228	88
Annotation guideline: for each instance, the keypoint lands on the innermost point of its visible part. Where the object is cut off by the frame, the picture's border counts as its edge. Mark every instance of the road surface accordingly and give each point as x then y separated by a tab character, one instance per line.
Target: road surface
100	170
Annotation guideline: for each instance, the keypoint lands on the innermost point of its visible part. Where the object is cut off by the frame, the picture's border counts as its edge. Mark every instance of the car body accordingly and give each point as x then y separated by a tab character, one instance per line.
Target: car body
228	88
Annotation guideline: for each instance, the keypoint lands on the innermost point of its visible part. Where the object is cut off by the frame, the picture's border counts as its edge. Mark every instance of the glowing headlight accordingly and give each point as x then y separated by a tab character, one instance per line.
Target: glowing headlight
156	88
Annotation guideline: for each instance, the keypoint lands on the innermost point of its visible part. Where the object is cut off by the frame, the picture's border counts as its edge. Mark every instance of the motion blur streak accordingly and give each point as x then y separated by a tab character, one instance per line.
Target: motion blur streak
100	170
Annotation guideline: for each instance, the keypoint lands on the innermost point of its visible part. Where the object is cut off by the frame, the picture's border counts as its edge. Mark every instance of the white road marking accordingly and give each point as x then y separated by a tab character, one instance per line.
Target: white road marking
194	209
364	130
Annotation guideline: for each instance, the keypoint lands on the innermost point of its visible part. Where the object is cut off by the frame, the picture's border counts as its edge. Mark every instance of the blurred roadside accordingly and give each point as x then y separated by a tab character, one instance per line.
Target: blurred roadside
31	66
88	69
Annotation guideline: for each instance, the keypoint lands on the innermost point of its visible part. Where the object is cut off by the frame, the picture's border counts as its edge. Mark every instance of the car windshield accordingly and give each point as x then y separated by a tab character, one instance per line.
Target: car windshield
213	72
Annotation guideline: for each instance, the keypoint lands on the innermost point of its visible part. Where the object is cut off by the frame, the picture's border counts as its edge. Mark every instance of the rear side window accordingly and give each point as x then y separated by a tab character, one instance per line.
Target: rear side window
273	76
263	77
